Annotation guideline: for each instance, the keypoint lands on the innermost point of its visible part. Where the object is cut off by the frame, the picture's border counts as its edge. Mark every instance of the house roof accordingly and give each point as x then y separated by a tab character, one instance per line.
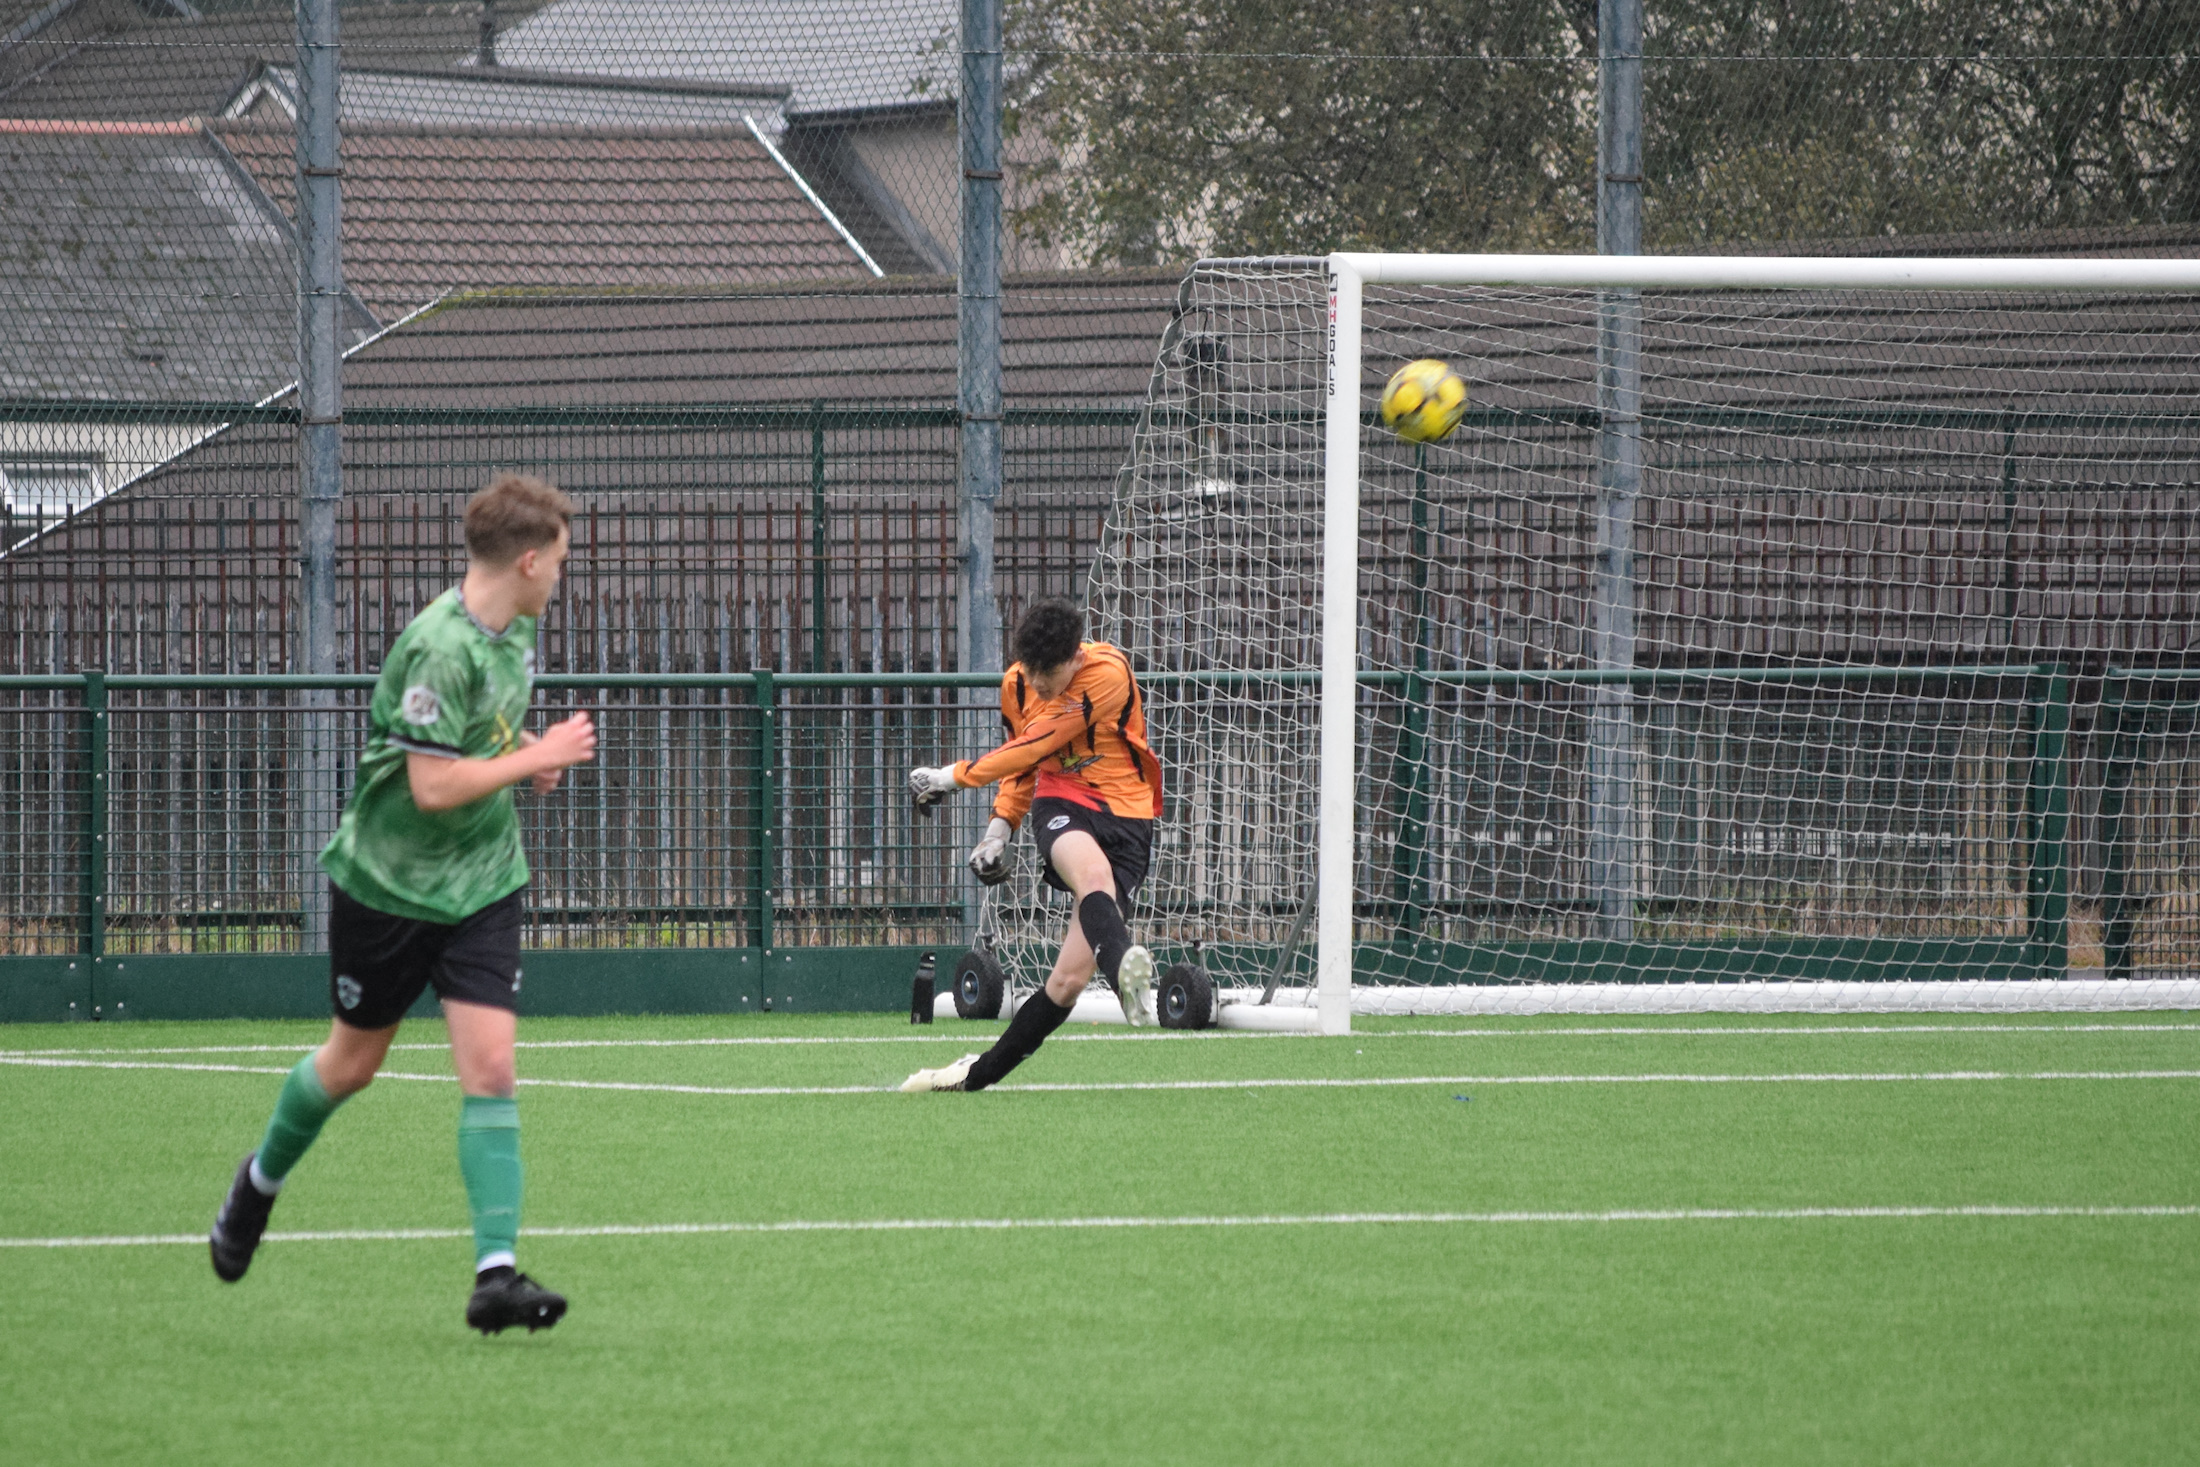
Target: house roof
685	63
154	262
434	209
139	265
114	62
497	96
1069	340
837	54
692	557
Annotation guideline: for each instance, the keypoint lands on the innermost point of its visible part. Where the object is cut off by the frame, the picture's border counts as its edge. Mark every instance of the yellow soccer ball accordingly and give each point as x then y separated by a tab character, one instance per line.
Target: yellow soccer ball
1424	401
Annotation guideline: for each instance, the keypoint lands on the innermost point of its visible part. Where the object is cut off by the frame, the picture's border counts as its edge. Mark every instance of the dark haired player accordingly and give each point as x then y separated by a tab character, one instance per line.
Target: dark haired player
425	875
1076	758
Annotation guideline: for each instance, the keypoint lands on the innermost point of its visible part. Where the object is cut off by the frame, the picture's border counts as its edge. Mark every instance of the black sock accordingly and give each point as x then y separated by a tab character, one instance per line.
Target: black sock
1102	921
1039	1017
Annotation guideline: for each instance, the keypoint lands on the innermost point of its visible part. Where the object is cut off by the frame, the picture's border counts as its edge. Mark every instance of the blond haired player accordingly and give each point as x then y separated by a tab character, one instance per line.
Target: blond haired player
1076	759
425	877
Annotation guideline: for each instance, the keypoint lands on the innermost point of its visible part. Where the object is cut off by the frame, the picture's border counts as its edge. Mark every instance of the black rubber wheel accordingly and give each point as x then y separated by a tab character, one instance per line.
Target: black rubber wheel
1185	997
980	986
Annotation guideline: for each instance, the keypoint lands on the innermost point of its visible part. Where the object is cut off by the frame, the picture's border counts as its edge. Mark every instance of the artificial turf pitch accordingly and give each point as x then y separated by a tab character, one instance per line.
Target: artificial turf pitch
1506	1318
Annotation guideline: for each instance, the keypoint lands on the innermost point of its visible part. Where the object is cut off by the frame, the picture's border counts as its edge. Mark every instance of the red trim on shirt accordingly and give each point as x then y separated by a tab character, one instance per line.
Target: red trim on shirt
1054	786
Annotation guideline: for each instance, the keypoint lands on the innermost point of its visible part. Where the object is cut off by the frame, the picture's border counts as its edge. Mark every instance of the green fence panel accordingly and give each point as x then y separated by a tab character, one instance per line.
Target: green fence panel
742	840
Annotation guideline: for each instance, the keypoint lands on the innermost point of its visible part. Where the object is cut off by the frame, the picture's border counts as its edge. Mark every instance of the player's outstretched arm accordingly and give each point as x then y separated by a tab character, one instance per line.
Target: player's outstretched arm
1010	765
440	784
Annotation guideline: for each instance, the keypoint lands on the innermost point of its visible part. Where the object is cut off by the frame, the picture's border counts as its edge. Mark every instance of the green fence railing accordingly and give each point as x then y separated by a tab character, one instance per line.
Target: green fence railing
743	839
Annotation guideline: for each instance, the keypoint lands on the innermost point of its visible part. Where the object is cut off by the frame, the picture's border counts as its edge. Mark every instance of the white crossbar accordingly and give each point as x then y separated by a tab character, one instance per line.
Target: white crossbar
1770	272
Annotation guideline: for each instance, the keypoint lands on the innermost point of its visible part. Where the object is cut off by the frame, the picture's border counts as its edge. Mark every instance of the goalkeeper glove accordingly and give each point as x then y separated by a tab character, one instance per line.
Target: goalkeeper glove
990	861
930	786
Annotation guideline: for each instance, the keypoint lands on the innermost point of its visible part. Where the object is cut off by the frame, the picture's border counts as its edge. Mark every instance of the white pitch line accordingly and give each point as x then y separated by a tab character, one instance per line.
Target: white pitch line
49	1062
710	1089
1279	1083
1781	1031
1366	1082
55	1062
1225	1220
1375	1082
1167	1037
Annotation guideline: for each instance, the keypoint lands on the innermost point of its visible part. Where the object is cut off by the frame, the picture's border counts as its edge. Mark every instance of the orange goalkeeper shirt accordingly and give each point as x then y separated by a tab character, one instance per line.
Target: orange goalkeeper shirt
1088	746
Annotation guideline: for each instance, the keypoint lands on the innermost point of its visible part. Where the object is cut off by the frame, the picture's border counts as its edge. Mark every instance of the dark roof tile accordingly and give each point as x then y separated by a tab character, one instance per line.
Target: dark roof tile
1069	340
131	68
431	210
136	264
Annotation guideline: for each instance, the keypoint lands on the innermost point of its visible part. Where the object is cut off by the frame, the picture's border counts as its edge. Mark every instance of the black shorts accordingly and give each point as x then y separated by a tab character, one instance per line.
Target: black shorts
1125	841
378	964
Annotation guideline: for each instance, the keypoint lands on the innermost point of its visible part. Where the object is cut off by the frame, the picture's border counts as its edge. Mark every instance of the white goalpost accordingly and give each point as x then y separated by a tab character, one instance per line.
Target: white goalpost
1726	658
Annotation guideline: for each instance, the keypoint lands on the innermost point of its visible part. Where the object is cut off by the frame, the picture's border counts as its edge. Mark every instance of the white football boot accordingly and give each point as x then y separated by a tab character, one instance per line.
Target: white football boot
946	1077
1134	986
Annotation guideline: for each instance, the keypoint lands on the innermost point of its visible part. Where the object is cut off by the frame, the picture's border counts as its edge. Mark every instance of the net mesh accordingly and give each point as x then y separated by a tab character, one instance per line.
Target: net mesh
1880	546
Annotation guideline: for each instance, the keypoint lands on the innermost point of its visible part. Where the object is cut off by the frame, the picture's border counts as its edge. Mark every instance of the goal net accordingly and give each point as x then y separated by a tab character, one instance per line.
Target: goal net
1740	648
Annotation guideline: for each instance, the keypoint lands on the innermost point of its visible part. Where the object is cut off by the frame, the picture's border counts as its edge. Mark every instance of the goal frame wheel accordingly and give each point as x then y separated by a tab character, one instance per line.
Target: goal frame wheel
1185	997
981	986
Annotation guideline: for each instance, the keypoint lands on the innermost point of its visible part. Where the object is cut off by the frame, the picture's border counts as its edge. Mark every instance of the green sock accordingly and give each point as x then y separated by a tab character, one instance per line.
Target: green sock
488	1156
300	1111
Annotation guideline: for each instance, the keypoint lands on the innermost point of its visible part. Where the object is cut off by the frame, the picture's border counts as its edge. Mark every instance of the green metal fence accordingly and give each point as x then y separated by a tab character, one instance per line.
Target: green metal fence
743	840
153	826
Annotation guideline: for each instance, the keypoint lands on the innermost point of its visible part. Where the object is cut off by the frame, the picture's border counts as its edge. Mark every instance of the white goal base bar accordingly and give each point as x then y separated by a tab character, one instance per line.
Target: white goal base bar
1298	1012
2051	995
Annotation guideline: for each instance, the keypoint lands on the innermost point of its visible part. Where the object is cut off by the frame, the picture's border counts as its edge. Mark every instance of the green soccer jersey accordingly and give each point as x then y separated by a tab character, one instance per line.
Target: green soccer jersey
454	689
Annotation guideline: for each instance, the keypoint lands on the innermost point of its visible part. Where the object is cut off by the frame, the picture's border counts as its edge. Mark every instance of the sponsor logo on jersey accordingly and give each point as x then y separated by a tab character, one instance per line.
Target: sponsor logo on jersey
1059	822
348	991
421	706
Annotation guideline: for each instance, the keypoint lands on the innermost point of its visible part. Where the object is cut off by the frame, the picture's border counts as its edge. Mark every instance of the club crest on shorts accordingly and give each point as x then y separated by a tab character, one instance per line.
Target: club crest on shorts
421	706
1059	822
517	974
348	991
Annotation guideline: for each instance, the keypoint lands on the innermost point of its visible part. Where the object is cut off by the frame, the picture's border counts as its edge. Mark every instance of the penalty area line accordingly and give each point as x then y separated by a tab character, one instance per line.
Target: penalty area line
1153	1037
1363	1082
1219	1220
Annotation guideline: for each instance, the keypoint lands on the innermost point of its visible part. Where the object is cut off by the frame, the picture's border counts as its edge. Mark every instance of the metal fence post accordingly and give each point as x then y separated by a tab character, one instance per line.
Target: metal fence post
1619	470
2047	811
978	337
818	539
764	878
320	433
2125	731
95	826
978	381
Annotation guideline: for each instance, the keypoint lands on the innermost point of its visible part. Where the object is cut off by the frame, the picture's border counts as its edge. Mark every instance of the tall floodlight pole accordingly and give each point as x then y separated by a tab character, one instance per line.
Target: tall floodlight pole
978	360
1619	470
320	430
